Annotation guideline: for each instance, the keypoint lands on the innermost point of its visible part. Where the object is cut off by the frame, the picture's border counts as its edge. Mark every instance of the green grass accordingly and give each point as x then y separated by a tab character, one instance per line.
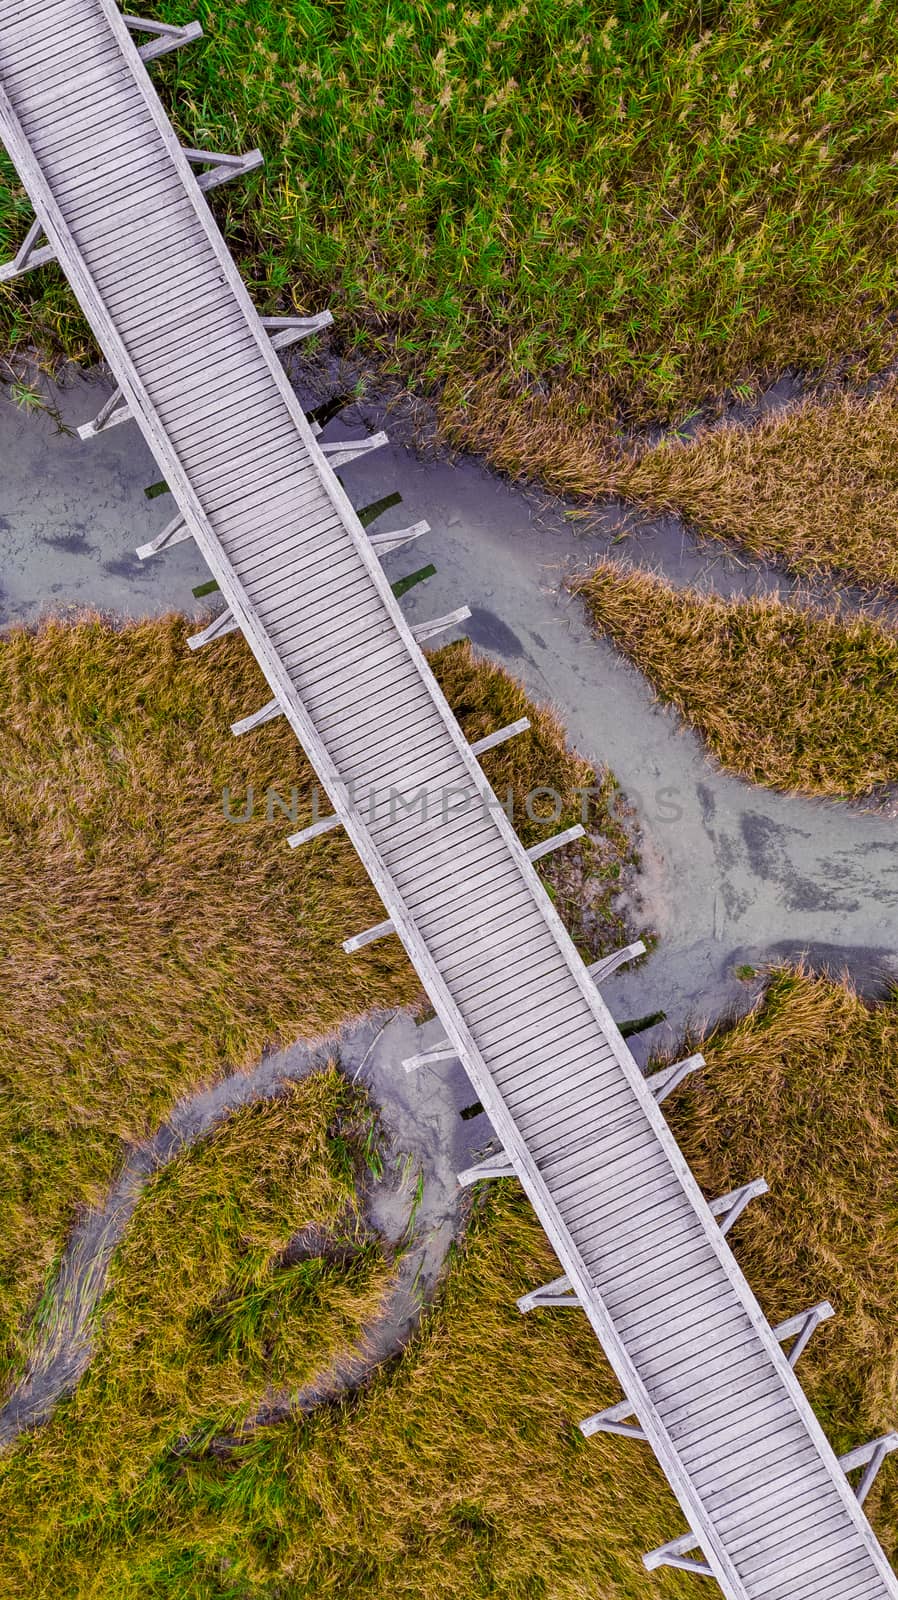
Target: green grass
458	1474
207	1316
625	210
783	696
147	944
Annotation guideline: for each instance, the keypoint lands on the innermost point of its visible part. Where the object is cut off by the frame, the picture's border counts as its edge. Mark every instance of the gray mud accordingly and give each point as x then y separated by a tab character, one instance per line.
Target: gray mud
733	875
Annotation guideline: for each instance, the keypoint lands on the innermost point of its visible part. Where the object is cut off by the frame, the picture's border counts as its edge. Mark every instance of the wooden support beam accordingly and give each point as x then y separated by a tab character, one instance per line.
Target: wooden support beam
452	619
370	935
108	416
497	1166
546	846
223	624
501	736
559	1292
430	1058
871	1457
614	1418
600	970
673	1554
266	713
166	37
664	1082
288	330
729	1207
536	851
314	830
28	254
343	451
489	742
222	168
802	1327
174	532
383	543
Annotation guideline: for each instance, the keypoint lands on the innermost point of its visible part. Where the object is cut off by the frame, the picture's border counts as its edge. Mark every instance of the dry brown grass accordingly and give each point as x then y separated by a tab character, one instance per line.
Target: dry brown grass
814	487
782	696
147	944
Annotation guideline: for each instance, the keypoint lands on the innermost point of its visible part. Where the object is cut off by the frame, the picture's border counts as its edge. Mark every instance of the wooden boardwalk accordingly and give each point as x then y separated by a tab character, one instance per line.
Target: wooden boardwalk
771	1510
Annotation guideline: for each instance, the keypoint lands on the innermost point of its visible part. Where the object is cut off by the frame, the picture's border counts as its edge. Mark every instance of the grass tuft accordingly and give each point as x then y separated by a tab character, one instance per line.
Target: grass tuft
782	696
814	488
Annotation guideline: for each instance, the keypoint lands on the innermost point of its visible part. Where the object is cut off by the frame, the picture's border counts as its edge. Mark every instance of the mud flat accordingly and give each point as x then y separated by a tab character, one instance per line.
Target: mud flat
732	875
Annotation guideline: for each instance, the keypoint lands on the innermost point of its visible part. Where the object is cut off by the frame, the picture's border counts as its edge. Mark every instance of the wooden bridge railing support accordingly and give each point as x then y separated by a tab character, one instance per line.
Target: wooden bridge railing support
166	36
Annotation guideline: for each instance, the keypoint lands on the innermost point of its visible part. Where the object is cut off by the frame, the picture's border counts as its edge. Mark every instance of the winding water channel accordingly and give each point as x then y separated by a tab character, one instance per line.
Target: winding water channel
732	875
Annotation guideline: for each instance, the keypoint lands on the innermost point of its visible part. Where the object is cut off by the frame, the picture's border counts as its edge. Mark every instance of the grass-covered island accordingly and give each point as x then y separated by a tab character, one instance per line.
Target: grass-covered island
783	695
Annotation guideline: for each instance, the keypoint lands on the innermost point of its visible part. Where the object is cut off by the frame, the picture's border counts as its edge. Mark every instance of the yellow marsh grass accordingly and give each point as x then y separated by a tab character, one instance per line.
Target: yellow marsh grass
206	1314
785	697
804	1092
458	1474
814	487
147	944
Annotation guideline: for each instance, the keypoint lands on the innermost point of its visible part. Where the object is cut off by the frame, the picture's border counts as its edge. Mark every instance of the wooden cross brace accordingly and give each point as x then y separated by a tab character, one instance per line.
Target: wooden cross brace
29	254
108	416
222	168
165	36
600	970
223	624
287	330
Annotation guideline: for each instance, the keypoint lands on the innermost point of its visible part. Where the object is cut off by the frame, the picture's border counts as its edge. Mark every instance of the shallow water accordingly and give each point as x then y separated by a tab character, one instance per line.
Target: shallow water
732	874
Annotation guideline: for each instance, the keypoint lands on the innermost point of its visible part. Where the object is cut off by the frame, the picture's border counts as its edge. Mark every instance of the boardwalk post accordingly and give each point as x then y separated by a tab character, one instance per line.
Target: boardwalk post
30	254
285	331
222	168
174	532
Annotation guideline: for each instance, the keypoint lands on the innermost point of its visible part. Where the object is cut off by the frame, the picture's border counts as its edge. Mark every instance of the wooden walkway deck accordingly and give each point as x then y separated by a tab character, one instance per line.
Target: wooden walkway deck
770	1507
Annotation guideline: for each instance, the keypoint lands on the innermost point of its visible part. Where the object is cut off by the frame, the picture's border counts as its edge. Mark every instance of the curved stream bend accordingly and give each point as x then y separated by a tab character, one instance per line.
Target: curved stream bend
421	1118
733	874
